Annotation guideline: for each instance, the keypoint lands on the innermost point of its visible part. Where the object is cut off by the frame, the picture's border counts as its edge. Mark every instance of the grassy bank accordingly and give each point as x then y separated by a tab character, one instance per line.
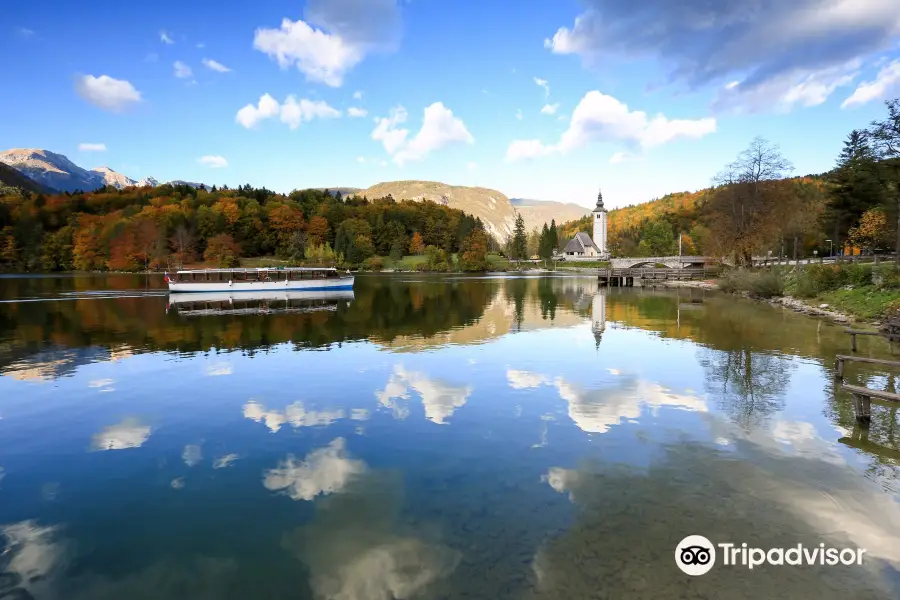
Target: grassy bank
863	291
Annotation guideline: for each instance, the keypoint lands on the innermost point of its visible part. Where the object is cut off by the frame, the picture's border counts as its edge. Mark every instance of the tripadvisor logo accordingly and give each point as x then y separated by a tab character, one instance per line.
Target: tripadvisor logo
696	555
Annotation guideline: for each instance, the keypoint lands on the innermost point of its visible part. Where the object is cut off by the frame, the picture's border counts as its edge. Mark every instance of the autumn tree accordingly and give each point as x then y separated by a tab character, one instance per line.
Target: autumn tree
474	252
286	221
416	244
182	244
223	251
872	233
317	230
750	201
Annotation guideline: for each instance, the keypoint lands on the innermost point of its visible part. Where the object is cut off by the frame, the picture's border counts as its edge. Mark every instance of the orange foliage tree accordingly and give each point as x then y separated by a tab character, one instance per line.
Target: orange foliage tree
416	244
222	250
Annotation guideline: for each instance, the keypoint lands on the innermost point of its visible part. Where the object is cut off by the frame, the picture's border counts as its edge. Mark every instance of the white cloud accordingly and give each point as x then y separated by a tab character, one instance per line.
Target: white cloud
770	44
215	162
439	398
472	166
525	149
128	434
543	83
324	471
887	81
104	385
295	414
192	455
165	38
383	163
357	95
519	114
386	130
616	159
250	115
599	117
225	461
25	32
335	36
215	65
220	368
785	92
293	112
322	57
523	380
357	112
32	554
440	128
88	147
549	109
201	45
597	410
107	93
182	70
361	160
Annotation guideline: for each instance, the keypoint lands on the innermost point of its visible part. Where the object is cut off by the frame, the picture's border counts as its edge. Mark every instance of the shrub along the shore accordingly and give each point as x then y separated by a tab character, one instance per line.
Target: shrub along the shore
863	290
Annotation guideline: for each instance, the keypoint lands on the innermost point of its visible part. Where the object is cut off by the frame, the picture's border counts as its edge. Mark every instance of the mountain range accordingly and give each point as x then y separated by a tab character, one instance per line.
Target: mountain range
47	171
56	172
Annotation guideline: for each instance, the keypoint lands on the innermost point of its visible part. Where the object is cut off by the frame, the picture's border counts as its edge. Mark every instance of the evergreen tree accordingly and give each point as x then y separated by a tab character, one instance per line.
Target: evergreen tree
519	250
545	246
554	235
886	141
856	189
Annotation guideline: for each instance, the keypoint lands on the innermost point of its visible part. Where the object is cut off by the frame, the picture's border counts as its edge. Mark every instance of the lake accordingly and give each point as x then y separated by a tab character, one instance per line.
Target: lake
461	437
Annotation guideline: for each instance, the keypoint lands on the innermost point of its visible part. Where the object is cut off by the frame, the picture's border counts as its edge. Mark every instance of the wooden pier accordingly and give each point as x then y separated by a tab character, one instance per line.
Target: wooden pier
862	396
650	275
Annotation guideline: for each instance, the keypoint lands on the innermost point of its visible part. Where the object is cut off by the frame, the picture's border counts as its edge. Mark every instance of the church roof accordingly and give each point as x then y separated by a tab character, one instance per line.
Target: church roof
580	243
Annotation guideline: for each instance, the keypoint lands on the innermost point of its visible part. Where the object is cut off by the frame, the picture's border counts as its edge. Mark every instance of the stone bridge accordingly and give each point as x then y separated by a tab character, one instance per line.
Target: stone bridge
672	262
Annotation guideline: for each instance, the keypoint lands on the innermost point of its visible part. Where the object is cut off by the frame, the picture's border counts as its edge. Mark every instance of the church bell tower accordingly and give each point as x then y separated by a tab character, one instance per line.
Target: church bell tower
600	216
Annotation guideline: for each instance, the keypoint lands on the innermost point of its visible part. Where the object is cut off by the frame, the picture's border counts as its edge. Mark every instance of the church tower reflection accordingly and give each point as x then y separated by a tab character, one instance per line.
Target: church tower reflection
598	316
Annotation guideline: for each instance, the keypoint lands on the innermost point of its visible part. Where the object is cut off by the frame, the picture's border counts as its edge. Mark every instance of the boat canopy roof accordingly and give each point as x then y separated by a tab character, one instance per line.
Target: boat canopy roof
257	270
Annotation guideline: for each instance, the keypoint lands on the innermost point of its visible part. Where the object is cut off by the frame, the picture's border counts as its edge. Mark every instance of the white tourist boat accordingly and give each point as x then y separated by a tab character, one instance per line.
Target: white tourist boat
256	303
260	280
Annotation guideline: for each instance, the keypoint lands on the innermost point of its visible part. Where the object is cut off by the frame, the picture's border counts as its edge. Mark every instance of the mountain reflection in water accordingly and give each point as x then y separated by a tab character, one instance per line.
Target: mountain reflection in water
429	437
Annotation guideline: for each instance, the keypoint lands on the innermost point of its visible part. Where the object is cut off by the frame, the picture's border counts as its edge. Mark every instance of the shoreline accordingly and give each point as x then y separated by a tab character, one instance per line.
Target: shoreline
790	302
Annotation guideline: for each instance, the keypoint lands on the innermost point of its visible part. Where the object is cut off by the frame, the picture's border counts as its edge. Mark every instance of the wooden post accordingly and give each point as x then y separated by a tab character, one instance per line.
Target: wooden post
853	342
839	368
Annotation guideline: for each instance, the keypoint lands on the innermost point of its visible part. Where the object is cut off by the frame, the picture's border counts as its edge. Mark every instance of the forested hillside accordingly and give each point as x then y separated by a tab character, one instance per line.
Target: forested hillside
165	226
755	207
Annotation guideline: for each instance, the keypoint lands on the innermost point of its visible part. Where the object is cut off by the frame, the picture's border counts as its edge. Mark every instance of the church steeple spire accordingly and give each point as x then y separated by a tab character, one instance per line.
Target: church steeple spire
599	207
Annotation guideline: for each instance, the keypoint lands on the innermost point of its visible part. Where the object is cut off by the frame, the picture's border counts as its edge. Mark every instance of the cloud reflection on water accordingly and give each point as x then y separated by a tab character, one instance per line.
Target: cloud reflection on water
323	471
295	414
439	397
597	410
130	433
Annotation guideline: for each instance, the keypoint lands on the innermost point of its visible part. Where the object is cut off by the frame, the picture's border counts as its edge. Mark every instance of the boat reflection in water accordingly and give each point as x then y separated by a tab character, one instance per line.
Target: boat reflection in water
195	304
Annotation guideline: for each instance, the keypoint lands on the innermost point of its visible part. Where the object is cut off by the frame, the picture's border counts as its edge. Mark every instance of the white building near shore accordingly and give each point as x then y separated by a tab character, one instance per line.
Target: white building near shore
583	246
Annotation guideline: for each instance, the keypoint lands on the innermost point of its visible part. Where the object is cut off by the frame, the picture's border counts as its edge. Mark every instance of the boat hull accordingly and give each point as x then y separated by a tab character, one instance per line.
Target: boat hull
331	294
312	285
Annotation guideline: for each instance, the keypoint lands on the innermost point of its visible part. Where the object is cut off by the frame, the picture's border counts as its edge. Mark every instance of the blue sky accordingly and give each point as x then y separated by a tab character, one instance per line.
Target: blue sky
645	98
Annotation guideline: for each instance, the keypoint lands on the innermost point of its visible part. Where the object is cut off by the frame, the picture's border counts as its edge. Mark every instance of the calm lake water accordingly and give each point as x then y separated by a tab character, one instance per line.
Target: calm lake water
486	438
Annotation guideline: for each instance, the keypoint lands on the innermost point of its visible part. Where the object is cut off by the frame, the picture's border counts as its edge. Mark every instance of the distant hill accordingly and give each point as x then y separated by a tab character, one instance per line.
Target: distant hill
10	177
492	207
538	212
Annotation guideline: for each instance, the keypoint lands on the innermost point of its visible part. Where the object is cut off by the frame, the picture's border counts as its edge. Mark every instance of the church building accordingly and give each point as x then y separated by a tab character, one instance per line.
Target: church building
583	246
